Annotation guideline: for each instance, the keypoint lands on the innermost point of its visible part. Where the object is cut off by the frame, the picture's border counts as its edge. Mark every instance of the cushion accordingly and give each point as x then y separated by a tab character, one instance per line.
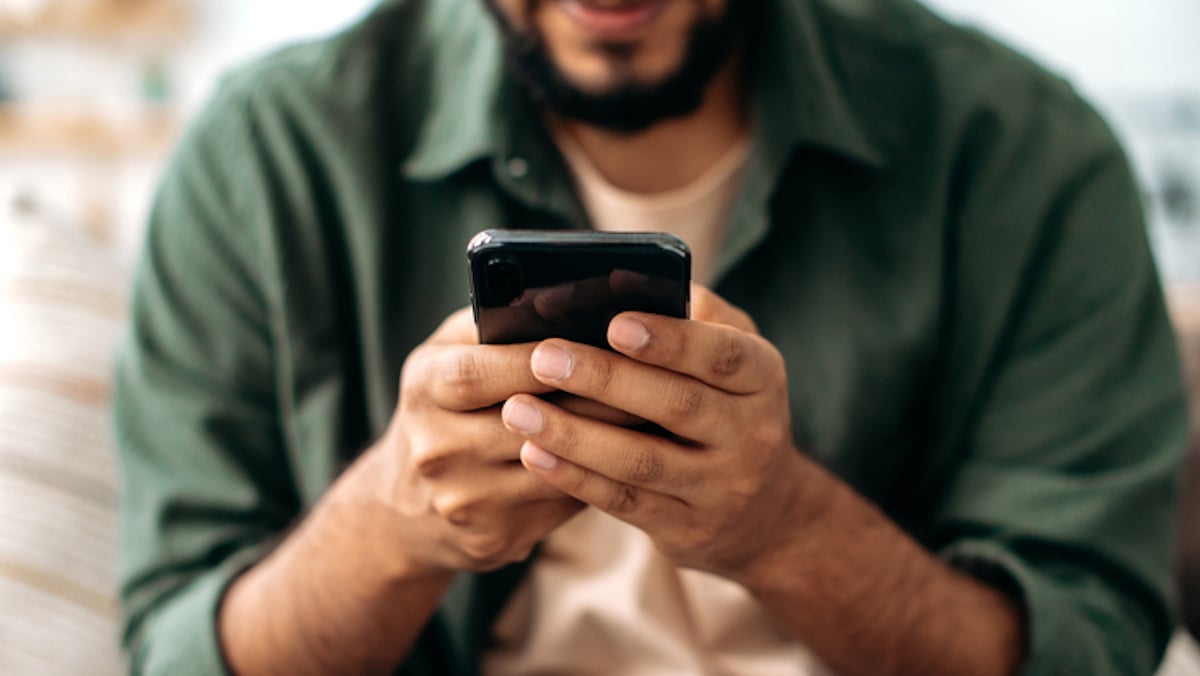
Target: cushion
62	308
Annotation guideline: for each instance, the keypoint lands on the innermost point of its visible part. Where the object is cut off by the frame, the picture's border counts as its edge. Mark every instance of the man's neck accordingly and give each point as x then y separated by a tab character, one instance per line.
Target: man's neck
675	152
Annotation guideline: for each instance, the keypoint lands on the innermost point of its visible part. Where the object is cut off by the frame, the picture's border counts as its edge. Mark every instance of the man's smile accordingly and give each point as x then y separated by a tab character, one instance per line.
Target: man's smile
613	21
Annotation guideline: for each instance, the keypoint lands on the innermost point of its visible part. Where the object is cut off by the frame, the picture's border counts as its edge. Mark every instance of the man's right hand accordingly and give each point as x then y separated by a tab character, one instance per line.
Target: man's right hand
352	587
447	466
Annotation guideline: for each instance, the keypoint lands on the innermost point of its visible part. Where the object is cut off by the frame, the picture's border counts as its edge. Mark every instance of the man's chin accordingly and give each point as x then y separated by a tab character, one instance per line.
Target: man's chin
614	96
613	86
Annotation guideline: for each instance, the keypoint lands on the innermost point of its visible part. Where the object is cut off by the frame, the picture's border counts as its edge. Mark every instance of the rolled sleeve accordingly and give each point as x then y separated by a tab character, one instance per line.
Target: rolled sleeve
1066	468
1058	642
182	637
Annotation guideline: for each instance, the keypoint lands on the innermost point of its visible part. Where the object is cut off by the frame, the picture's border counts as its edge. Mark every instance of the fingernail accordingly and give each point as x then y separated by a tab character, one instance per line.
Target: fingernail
522	417
540	458
552	362
628	334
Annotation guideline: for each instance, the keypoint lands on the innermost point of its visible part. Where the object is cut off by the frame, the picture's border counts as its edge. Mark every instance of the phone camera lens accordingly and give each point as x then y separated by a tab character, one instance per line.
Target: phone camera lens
505	280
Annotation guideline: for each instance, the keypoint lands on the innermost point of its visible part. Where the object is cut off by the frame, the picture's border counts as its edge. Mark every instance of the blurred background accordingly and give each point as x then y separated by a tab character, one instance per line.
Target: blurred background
93	94
1139	63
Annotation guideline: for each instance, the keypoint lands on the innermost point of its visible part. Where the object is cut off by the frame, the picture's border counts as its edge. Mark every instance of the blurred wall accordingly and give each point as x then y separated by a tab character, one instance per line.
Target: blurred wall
233	31
1139	63
1101	45
70	80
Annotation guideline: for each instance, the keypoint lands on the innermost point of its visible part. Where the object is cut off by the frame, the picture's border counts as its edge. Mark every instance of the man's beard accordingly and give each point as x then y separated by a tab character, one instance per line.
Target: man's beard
631	106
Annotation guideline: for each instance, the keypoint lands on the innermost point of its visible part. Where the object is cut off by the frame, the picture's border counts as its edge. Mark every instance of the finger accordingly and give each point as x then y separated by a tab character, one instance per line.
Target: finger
637	506
677	402
722	356
647	293
540	518
448	441
470	377
517	322
470	500
458	328
709	307
509	534
623	455
593	409
475	496
570	301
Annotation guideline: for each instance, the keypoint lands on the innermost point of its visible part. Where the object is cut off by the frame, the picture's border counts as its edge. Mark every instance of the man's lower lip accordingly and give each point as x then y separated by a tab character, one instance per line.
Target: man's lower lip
617	22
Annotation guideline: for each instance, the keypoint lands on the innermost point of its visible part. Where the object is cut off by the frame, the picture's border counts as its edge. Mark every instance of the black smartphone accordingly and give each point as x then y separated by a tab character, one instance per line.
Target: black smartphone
527	285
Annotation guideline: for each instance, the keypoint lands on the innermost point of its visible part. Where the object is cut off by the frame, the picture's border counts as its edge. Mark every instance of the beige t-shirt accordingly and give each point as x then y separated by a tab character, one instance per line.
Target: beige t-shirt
698	212
600	598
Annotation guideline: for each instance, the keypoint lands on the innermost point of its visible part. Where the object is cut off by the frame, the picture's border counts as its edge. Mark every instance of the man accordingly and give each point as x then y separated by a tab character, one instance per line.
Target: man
927	423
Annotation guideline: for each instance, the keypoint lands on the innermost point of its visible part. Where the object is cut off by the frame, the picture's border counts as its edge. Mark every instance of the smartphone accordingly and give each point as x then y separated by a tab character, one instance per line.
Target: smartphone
527	285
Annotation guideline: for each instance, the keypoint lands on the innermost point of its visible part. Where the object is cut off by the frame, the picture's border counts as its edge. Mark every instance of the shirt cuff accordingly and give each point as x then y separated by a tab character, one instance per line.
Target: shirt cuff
181	636
1056	637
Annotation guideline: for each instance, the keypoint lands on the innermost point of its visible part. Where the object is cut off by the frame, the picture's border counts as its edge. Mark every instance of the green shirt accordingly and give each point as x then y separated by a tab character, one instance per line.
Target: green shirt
945	243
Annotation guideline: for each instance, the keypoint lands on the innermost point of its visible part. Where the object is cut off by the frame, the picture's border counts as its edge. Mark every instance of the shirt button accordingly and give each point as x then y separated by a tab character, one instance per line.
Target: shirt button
518	167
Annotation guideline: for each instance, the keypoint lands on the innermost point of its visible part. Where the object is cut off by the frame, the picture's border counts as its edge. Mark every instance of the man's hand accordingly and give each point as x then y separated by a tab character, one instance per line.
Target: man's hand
728	492
351	588
712	493
449	468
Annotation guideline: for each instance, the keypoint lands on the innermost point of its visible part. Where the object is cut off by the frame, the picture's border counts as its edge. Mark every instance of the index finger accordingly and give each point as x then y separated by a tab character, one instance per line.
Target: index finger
459	374
458	328
709	307
721	356
471	377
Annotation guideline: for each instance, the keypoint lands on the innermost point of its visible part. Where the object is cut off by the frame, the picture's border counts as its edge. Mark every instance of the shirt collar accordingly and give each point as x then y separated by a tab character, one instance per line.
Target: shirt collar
800	100
466	90
476	109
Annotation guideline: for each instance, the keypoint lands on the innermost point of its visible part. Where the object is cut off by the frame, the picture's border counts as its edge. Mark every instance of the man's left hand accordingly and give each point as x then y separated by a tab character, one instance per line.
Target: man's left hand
713	491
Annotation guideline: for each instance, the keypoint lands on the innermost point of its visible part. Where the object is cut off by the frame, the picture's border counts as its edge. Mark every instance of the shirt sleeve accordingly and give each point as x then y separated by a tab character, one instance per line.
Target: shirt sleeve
1077	423
206	480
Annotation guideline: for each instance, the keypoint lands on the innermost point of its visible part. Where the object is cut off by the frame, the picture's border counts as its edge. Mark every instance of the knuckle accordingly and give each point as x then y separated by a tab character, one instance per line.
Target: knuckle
728	356
602	374
461	376
740	491
700	536
777	364
431	465
744	320
684	540
578	484
763	439
646	466
675	348
410	394
683	402
728	413
431	461
454	508
566	437
486	549
624	500
415	358
521	553
412	376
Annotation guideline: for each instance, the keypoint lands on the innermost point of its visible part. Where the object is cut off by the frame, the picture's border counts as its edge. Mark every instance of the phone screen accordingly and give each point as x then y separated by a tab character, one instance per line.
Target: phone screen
527	286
